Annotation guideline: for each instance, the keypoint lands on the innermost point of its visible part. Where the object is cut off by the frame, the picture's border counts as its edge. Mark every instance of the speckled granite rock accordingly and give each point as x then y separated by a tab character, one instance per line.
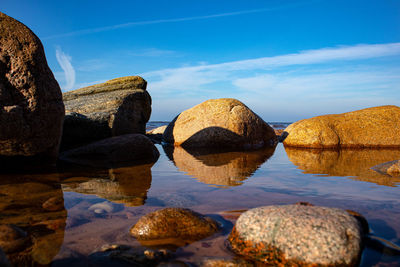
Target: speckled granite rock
114	151
173	223
298	234
370	127
221	122
391	168
32	110
225	263
116	107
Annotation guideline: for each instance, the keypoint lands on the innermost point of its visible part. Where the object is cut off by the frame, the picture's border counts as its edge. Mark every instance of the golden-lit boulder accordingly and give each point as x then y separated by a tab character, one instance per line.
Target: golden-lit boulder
370	127
224	122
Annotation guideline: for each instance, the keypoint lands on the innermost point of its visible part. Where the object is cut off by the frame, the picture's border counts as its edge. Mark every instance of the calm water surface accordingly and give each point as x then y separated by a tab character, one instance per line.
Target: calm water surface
99	206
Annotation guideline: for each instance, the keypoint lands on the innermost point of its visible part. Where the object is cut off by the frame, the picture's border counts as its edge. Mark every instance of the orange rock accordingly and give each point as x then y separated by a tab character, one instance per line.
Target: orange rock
370	127
221	122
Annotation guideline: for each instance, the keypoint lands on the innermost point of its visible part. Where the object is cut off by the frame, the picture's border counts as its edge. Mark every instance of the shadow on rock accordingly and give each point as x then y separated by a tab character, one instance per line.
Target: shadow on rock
346	162
221	168
32	221
127	185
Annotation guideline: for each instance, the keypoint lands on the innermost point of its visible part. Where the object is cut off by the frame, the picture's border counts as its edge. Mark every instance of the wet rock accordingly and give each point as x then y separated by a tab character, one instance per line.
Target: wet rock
54	204
174	223
135	256
13	238
113	152
173	263
298	234
32	110
370	127
116	107
225	263
219	123
101	208
391	168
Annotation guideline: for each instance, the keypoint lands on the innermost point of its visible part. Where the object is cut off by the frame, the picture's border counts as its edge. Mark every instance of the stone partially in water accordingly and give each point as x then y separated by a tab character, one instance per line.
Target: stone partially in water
370	127
298	234
183	225
31	106
13	238
220	123
114	151
54	204
391	168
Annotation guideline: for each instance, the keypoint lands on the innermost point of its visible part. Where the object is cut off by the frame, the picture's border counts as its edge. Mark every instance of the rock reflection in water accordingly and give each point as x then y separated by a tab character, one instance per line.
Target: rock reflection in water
216	168
346	162
127	185
37	211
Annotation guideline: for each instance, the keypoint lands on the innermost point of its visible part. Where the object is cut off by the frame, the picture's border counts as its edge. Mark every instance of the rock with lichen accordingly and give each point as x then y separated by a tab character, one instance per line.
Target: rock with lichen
176	225
371	127
31	107
220	123
116	107
298	235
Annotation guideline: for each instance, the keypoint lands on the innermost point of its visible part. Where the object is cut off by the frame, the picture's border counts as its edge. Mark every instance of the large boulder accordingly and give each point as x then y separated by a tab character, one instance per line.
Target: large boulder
370	127
297	235
173	225
32	111
221	123
113	152
116	107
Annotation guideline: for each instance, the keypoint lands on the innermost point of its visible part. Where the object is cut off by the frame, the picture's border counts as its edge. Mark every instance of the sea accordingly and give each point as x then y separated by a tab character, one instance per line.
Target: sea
67	223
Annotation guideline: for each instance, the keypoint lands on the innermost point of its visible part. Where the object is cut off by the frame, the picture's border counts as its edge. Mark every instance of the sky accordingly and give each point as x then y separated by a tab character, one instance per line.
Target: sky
285	59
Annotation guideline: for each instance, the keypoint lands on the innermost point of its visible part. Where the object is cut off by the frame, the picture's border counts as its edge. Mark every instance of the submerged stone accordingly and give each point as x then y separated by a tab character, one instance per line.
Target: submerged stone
176	224
13	238
391	168
298	235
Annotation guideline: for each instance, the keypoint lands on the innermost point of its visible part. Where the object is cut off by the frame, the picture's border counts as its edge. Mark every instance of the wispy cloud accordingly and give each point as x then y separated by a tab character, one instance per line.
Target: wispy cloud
160	21
357	52
322	80
65	62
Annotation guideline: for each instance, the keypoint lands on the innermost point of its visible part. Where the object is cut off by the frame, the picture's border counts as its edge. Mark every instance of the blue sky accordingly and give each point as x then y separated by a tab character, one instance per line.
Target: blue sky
286	60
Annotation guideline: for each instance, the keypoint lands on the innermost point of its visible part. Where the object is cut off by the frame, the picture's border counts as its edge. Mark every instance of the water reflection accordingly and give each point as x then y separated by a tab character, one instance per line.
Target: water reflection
35	211
127	185
221	169
346	162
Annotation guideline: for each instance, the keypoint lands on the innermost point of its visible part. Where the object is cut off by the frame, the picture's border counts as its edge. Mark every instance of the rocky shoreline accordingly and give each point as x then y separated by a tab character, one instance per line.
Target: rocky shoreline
102	127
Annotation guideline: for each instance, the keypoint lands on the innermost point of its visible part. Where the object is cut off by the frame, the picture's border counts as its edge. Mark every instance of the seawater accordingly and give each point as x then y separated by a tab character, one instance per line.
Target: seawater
100	206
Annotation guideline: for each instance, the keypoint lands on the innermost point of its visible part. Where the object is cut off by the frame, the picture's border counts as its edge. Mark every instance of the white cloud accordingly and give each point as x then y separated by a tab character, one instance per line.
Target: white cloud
329	80
65	62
